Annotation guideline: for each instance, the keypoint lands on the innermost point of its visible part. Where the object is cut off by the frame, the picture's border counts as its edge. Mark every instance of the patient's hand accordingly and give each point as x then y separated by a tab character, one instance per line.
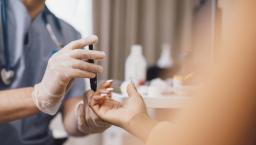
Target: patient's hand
119	114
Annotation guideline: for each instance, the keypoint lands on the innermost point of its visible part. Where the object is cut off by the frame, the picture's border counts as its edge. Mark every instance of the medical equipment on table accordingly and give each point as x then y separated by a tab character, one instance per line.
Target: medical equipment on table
136	66
93	81
7	72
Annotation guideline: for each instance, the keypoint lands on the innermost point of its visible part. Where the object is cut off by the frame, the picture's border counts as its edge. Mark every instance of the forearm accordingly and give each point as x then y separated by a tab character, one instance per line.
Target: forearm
16	104
141	126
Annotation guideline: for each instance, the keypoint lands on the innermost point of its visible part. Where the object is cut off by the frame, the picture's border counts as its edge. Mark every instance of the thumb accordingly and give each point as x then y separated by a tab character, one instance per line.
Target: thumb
77	44
88	96
132	91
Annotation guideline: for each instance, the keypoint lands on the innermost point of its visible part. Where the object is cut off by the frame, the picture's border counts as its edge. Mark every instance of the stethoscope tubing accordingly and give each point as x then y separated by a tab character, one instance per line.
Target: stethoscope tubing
50	29
4	15
4	18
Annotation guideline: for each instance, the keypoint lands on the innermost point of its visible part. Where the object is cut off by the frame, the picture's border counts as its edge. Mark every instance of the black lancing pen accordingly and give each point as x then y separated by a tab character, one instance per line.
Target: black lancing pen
93	81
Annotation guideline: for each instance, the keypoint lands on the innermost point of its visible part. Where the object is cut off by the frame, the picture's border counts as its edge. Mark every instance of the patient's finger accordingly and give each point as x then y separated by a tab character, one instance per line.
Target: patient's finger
108	95
106	91
131	90
105	85
99	99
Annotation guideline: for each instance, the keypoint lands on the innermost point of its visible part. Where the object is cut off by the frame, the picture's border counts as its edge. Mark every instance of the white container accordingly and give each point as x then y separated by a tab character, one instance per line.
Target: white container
157	87
135	66
165	60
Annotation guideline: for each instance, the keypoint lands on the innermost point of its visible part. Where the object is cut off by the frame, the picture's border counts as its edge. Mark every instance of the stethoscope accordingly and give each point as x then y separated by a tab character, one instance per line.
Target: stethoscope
7	71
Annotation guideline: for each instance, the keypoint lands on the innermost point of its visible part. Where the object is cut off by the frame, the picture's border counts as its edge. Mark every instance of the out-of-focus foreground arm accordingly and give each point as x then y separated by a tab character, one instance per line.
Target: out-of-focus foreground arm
225	110
16	104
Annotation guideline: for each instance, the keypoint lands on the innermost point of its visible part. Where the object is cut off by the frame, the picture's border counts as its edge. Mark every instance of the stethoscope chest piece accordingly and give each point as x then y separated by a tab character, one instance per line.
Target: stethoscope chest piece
7	76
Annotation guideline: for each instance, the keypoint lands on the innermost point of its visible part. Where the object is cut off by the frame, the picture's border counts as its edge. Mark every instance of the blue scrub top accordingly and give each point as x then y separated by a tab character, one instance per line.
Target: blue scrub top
31	61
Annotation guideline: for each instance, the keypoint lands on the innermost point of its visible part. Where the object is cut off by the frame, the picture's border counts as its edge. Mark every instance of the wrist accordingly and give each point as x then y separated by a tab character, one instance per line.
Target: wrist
140	125
136	119
45	101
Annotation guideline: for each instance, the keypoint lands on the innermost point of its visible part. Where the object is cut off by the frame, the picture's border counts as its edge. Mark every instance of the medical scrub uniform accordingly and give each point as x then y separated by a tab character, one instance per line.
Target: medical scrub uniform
30	48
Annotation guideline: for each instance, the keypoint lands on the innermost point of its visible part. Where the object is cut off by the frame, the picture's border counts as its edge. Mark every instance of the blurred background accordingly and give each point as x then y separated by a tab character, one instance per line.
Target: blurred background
155	43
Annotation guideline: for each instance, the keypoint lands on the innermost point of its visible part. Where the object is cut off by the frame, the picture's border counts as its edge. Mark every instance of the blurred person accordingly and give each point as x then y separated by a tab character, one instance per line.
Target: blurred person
224	110
39	68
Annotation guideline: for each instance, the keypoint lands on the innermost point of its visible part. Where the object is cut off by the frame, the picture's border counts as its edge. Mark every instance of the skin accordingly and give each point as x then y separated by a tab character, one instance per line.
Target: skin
34	7
132	109
15	106
224	109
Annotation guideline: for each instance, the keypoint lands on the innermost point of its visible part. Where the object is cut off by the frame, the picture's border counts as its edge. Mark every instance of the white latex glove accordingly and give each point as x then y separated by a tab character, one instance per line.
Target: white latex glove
87	120
64	66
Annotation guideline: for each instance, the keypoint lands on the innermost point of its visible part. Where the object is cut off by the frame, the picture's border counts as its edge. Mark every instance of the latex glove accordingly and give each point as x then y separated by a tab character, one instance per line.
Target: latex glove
89	122
67	64
119	114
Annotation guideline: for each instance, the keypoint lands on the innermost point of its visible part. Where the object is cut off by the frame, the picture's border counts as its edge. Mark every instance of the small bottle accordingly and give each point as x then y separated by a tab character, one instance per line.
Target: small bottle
165	61
135	66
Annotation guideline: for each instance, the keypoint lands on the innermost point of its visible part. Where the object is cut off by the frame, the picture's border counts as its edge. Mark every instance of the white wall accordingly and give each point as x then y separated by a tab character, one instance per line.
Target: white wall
76	12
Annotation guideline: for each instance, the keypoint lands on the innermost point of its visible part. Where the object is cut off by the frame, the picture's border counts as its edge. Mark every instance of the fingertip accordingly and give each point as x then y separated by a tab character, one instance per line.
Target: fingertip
110	89
106	84
103	53
109	81
131	86
131	90
92	75
93	39
77	44
103	95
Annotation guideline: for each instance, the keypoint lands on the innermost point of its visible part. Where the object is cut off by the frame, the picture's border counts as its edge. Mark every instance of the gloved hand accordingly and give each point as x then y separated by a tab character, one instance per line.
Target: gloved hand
64	66
88	122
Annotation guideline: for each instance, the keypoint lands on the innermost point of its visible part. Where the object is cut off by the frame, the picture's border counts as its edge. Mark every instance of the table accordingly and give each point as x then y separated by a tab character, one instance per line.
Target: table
161	102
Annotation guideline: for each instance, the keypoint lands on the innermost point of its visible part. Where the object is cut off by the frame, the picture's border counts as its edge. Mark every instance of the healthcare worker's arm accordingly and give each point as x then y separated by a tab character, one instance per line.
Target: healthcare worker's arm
64	66
13	106
224	112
